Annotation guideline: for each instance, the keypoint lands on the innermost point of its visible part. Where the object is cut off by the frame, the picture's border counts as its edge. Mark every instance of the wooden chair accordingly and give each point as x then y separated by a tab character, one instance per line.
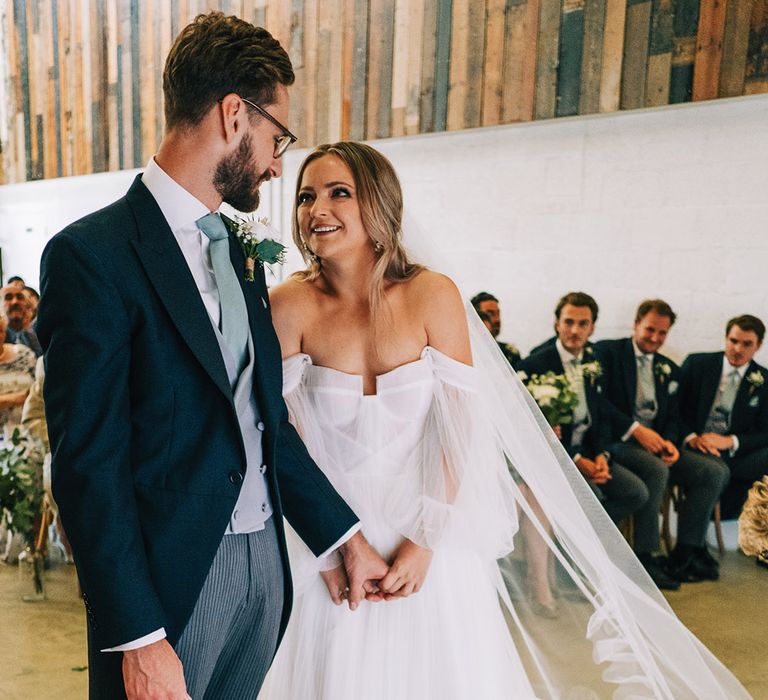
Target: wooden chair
673	497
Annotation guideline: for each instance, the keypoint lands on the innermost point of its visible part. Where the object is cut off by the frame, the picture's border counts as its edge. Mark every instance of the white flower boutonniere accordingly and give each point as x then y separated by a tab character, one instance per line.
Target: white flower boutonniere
663	371
261	250
592	371
756	380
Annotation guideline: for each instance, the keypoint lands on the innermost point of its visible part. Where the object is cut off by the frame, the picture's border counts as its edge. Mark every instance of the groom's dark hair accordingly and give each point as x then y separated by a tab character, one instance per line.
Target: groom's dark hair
747	323
577	299
214	56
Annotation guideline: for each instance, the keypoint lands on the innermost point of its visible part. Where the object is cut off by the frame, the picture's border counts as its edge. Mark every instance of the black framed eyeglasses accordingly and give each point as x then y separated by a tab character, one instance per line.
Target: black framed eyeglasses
283	141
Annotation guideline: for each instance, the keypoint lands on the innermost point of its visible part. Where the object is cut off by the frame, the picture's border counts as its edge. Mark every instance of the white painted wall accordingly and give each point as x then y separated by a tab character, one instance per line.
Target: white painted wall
670	202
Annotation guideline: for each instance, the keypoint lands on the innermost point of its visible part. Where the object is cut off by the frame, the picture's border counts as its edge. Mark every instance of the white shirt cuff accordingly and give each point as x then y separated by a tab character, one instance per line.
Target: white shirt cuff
629	432
576	457
144	641
688	438
735	447
346	536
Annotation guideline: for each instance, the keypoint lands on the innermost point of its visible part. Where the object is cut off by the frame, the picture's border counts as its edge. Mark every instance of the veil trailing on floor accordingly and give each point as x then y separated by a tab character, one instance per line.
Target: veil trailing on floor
511	491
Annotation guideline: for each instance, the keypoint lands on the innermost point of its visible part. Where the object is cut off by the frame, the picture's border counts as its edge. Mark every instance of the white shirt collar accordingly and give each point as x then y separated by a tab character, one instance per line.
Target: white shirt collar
565	356
180	208
728	368
639	353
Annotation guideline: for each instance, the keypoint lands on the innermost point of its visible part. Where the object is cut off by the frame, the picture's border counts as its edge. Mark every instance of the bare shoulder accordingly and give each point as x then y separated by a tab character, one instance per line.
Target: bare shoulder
291	304
440	305
286	295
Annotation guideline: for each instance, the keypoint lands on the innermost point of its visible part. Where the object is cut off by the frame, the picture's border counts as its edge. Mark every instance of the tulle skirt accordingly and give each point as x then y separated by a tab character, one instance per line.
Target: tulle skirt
449	641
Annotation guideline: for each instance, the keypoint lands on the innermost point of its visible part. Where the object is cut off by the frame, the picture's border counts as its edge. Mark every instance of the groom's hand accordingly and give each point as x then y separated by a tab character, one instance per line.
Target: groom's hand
154	672
365	568
337	583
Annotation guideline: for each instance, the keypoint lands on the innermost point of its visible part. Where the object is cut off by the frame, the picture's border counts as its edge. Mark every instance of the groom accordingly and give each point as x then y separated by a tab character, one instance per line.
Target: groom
173	458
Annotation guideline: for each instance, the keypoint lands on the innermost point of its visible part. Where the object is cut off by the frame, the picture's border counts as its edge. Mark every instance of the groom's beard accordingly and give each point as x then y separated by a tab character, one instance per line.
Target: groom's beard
235	179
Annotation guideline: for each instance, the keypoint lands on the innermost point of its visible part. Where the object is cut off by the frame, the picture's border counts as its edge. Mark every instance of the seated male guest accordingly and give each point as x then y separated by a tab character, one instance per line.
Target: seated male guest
587	438
724	408
18	311
641	386
488	305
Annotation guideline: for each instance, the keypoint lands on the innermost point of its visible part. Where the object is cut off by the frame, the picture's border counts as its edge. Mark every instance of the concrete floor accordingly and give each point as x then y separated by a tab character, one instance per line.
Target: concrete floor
42	645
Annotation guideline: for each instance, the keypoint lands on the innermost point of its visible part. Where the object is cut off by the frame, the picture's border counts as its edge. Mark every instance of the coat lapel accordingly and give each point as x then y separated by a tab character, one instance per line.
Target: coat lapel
169	274
267	360
742	398
629	372
662	390
709	385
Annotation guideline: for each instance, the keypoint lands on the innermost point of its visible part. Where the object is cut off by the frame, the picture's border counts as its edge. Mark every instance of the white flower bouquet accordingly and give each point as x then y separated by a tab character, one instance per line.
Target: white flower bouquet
554	396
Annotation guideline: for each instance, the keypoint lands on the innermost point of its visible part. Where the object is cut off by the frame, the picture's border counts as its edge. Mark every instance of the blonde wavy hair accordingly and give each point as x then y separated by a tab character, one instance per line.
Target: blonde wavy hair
380	198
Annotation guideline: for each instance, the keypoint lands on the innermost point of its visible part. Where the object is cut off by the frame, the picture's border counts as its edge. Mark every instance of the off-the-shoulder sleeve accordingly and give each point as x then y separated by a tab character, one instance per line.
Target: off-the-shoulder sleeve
456	490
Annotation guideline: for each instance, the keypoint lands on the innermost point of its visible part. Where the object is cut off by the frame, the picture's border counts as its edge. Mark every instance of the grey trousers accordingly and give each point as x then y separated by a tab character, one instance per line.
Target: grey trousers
654	473
623	495
228	643
702	479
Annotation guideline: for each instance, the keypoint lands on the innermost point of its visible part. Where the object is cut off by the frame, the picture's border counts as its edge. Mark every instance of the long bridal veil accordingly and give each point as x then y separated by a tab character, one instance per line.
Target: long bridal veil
513	493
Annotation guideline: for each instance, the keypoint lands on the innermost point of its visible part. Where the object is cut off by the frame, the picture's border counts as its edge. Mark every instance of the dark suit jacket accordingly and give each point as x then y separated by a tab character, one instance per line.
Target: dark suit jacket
597	438
147	452
700	378
548	343
620	387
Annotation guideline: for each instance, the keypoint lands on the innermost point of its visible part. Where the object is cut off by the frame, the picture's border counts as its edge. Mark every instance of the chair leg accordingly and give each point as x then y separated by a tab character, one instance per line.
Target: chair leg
718	529
666	534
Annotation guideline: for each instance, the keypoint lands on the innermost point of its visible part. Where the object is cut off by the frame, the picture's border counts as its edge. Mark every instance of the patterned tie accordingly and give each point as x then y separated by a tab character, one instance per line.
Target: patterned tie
719	418
234	314
729	391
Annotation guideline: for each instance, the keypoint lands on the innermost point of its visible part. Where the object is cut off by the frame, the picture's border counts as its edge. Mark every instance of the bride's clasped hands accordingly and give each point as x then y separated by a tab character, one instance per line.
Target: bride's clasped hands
365	575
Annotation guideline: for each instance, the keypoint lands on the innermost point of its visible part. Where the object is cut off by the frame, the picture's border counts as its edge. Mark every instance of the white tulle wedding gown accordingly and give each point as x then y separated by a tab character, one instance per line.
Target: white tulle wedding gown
450	456
448	641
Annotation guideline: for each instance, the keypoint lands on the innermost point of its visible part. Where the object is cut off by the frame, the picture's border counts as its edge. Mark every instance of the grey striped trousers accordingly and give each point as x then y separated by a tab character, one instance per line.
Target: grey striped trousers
230	639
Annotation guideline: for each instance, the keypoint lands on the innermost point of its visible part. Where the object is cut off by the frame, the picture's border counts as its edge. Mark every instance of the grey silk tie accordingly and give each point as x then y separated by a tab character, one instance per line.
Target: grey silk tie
728	394
719	418
645	401
234	314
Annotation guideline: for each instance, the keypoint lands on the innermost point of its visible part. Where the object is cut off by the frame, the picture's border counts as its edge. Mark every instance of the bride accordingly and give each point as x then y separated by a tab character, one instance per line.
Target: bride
409	408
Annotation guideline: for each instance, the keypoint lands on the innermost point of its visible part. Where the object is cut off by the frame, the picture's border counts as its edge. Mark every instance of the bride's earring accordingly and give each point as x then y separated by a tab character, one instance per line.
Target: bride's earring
308	253
378	247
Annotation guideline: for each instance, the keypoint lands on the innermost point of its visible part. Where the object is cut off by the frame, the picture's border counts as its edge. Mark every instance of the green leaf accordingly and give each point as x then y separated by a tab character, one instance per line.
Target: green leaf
270	251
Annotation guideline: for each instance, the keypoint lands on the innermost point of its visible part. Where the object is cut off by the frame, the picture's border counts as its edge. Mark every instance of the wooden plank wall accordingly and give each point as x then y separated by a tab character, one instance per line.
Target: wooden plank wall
83	88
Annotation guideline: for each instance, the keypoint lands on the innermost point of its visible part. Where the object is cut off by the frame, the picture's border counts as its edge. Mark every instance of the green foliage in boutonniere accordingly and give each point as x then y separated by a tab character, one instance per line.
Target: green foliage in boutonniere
592	371
663	371
261	250
756	380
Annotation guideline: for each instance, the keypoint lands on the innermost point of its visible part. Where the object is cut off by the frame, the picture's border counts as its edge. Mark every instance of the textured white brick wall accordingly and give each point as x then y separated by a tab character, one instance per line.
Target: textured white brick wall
670	202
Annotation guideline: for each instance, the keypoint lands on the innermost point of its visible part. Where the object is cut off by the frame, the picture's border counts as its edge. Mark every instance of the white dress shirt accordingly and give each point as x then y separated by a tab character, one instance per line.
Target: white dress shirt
638	354
574	376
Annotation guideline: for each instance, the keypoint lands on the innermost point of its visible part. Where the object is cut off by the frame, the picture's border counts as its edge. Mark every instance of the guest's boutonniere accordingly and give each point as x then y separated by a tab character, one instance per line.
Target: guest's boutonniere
663	371
261	250
756	380
592	371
